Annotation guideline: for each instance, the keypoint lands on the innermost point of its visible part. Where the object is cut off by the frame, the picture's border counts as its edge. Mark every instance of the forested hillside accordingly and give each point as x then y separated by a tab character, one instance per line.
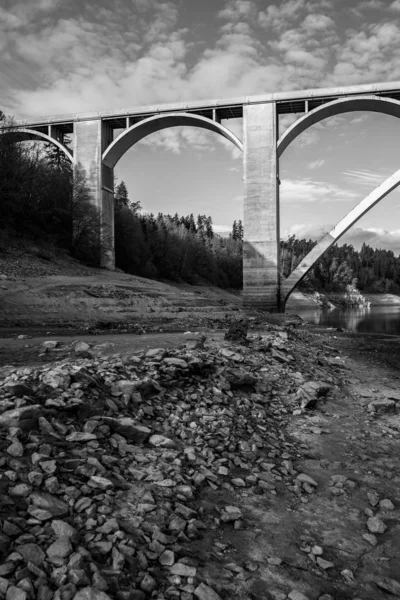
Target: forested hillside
373	270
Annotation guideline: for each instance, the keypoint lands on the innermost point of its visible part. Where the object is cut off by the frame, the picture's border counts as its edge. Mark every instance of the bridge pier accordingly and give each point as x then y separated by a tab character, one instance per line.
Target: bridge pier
261	249
90	139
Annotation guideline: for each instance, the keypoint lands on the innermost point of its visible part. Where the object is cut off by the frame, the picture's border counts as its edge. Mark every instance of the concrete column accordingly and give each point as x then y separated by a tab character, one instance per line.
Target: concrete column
261	280
90	139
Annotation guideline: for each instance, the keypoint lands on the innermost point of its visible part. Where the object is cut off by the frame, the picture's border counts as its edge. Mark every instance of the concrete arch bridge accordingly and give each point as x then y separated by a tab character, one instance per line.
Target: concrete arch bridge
97	149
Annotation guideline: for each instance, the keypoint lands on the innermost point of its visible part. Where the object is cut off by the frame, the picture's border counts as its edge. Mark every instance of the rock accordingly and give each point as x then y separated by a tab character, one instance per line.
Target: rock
15	593
389	585
303	478
370	538
240	379
57	379
46	501
100	482
25	417
382	407
16	449
237	331
50	344
386	504
373	498
81	347
161	441
375	525
128	428
176	362
62	528
205	592
324	564
167	558
148	584
183	570
61	548
31	553
310	392
81	436
91	593
296	595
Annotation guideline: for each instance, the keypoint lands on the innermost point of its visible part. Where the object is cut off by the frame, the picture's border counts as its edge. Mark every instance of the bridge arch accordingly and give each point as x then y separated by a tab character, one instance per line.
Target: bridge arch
28	135
140	130
386	106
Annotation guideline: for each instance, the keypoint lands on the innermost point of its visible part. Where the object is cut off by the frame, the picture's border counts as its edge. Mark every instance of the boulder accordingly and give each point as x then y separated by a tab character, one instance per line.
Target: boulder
237	331
382	407
25	417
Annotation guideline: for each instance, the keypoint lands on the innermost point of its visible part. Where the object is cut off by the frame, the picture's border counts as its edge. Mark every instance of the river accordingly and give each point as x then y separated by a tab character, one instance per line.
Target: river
375	319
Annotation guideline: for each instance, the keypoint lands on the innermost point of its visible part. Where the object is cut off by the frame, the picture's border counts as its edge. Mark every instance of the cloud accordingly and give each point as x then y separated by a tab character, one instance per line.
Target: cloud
306	190
307	231
395	5
375	237
366	178
316	164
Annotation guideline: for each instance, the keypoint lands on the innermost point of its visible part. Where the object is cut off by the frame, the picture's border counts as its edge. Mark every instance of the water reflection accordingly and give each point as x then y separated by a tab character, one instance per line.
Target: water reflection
373	319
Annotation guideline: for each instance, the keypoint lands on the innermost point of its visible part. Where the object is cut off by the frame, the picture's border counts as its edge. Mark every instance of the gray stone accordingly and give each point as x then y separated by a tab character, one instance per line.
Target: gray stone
148	584
81	436
50	344
303	478
382	406
370	538
61	548
54	505
57	379
183	570
310	392
205	592
91	593
25	417
167	558
128	428
62	529
31	553
14	593
16	449
81	347
238	329
386	504
161	441
176	362
375	525
389	585
100	482
296	595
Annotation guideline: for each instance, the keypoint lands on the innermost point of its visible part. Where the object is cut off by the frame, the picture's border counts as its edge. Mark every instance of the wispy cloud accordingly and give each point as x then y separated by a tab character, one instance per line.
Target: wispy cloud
365	178
316	164
307	190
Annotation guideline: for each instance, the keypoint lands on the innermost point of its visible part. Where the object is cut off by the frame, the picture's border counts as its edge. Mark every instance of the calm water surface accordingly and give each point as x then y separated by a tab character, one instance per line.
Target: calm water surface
376	319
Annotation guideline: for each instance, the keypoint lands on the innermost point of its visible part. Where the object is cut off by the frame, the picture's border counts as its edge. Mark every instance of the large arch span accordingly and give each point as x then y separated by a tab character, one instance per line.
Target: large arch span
140	130
386	106
30	135
344	105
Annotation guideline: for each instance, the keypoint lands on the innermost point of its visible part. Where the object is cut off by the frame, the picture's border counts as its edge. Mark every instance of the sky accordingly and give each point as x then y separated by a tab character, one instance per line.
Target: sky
90	55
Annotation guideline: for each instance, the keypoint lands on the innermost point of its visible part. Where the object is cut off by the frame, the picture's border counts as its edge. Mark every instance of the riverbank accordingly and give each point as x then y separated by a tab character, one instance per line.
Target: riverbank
188	467
303	299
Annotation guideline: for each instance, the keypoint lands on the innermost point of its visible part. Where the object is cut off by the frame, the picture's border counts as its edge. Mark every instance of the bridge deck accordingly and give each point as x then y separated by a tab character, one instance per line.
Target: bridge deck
287	102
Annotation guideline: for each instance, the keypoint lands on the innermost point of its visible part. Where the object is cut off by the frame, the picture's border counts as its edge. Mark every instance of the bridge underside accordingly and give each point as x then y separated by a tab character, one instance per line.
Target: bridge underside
100	139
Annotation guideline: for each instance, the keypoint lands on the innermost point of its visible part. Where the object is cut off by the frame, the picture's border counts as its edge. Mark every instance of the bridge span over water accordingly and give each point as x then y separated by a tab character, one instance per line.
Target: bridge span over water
99	139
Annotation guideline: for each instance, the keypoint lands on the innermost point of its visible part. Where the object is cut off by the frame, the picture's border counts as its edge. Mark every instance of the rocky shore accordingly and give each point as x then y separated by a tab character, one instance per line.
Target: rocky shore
188	473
